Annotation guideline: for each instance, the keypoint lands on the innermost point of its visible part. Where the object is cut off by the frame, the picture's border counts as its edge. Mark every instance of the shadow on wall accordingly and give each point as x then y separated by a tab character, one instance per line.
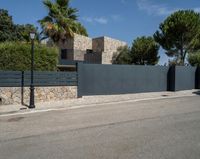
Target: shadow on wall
22	92
22	97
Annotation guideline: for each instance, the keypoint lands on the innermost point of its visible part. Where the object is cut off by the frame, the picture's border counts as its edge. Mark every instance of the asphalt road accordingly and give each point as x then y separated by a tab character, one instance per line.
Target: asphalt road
154	129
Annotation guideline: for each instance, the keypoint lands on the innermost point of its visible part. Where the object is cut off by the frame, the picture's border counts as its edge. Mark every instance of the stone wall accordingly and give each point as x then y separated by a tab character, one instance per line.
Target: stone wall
98	44
111	45
78	42
79	55
107	57
82	43
17	95
76	46
104	46
107	47
110	48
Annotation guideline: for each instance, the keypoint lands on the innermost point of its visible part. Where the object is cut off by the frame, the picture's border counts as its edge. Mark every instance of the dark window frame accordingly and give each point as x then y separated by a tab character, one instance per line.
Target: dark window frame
89	51
63	54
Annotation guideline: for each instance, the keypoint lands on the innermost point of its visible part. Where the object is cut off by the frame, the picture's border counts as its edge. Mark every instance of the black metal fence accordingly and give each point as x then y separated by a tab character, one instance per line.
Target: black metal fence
23	79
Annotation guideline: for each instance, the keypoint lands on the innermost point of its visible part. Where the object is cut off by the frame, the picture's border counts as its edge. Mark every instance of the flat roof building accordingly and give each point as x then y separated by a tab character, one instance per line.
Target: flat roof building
84	49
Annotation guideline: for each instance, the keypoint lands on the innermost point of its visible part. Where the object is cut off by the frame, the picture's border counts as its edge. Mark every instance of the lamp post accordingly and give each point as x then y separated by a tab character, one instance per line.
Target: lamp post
32	100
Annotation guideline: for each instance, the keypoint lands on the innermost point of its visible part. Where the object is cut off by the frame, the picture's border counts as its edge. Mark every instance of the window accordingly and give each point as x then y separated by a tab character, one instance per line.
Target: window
89	51
64	54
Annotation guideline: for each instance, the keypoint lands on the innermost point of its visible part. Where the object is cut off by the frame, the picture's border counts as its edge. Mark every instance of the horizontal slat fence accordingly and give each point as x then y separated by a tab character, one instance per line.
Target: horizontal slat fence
19	79
10	78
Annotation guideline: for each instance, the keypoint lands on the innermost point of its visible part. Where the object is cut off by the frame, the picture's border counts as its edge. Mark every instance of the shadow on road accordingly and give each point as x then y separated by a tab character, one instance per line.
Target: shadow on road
197	92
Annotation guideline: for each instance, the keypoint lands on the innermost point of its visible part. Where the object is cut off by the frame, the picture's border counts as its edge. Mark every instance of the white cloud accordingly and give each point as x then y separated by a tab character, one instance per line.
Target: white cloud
155	9
116	17
103	19
100	20
87	19
159	9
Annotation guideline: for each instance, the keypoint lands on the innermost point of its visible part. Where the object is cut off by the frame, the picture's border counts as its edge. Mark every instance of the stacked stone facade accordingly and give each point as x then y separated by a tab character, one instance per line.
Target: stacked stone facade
17	95
108	47
98	50
82	43
98	44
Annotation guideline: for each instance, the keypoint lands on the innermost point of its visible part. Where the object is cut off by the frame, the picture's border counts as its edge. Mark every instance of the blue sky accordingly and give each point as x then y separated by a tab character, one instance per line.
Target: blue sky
121	19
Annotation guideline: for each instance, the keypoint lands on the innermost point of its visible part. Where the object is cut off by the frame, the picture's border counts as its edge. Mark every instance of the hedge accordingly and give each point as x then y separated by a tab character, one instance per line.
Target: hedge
16	56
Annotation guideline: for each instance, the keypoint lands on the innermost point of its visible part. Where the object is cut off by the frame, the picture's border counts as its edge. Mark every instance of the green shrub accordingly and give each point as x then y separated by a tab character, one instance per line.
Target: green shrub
16	56
194	59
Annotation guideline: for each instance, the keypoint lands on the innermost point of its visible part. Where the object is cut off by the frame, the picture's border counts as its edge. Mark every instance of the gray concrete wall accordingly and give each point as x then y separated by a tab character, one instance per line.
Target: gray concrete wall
97	79
185	78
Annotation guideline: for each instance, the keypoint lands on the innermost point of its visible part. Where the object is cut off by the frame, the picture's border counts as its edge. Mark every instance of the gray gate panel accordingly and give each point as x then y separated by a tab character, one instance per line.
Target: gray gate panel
120	79
185	78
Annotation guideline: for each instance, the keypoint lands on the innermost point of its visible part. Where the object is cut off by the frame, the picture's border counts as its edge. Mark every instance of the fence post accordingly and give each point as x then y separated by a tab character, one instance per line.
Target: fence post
197	78
22	88
77	66
171	79
79	85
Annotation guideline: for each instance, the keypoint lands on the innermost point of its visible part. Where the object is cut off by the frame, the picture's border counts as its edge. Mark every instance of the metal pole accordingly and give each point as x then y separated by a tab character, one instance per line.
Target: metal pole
32	100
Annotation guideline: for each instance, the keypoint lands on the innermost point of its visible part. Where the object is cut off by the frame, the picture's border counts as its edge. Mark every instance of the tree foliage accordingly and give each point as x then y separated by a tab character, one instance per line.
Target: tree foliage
14	32
61	21
23	32
16	56
6	27
179	34
122	56
194	59
144	51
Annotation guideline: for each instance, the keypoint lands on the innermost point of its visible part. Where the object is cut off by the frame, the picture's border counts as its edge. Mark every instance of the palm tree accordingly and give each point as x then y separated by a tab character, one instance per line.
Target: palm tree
61	22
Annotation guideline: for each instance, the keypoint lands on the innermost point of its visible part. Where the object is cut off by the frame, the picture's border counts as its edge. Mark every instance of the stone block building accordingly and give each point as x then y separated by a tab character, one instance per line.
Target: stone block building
84	49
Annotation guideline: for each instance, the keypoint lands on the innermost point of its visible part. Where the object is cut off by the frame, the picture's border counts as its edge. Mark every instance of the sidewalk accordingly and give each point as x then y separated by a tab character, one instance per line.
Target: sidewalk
95	100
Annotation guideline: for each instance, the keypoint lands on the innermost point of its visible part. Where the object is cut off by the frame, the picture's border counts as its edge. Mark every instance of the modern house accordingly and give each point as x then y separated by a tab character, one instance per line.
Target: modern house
84	49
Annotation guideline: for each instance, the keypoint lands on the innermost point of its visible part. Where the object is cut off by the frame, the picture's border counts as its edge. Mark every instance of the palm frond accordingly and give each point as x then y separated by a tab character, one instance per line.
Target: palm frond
48	4
72	13
61	22
62	3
